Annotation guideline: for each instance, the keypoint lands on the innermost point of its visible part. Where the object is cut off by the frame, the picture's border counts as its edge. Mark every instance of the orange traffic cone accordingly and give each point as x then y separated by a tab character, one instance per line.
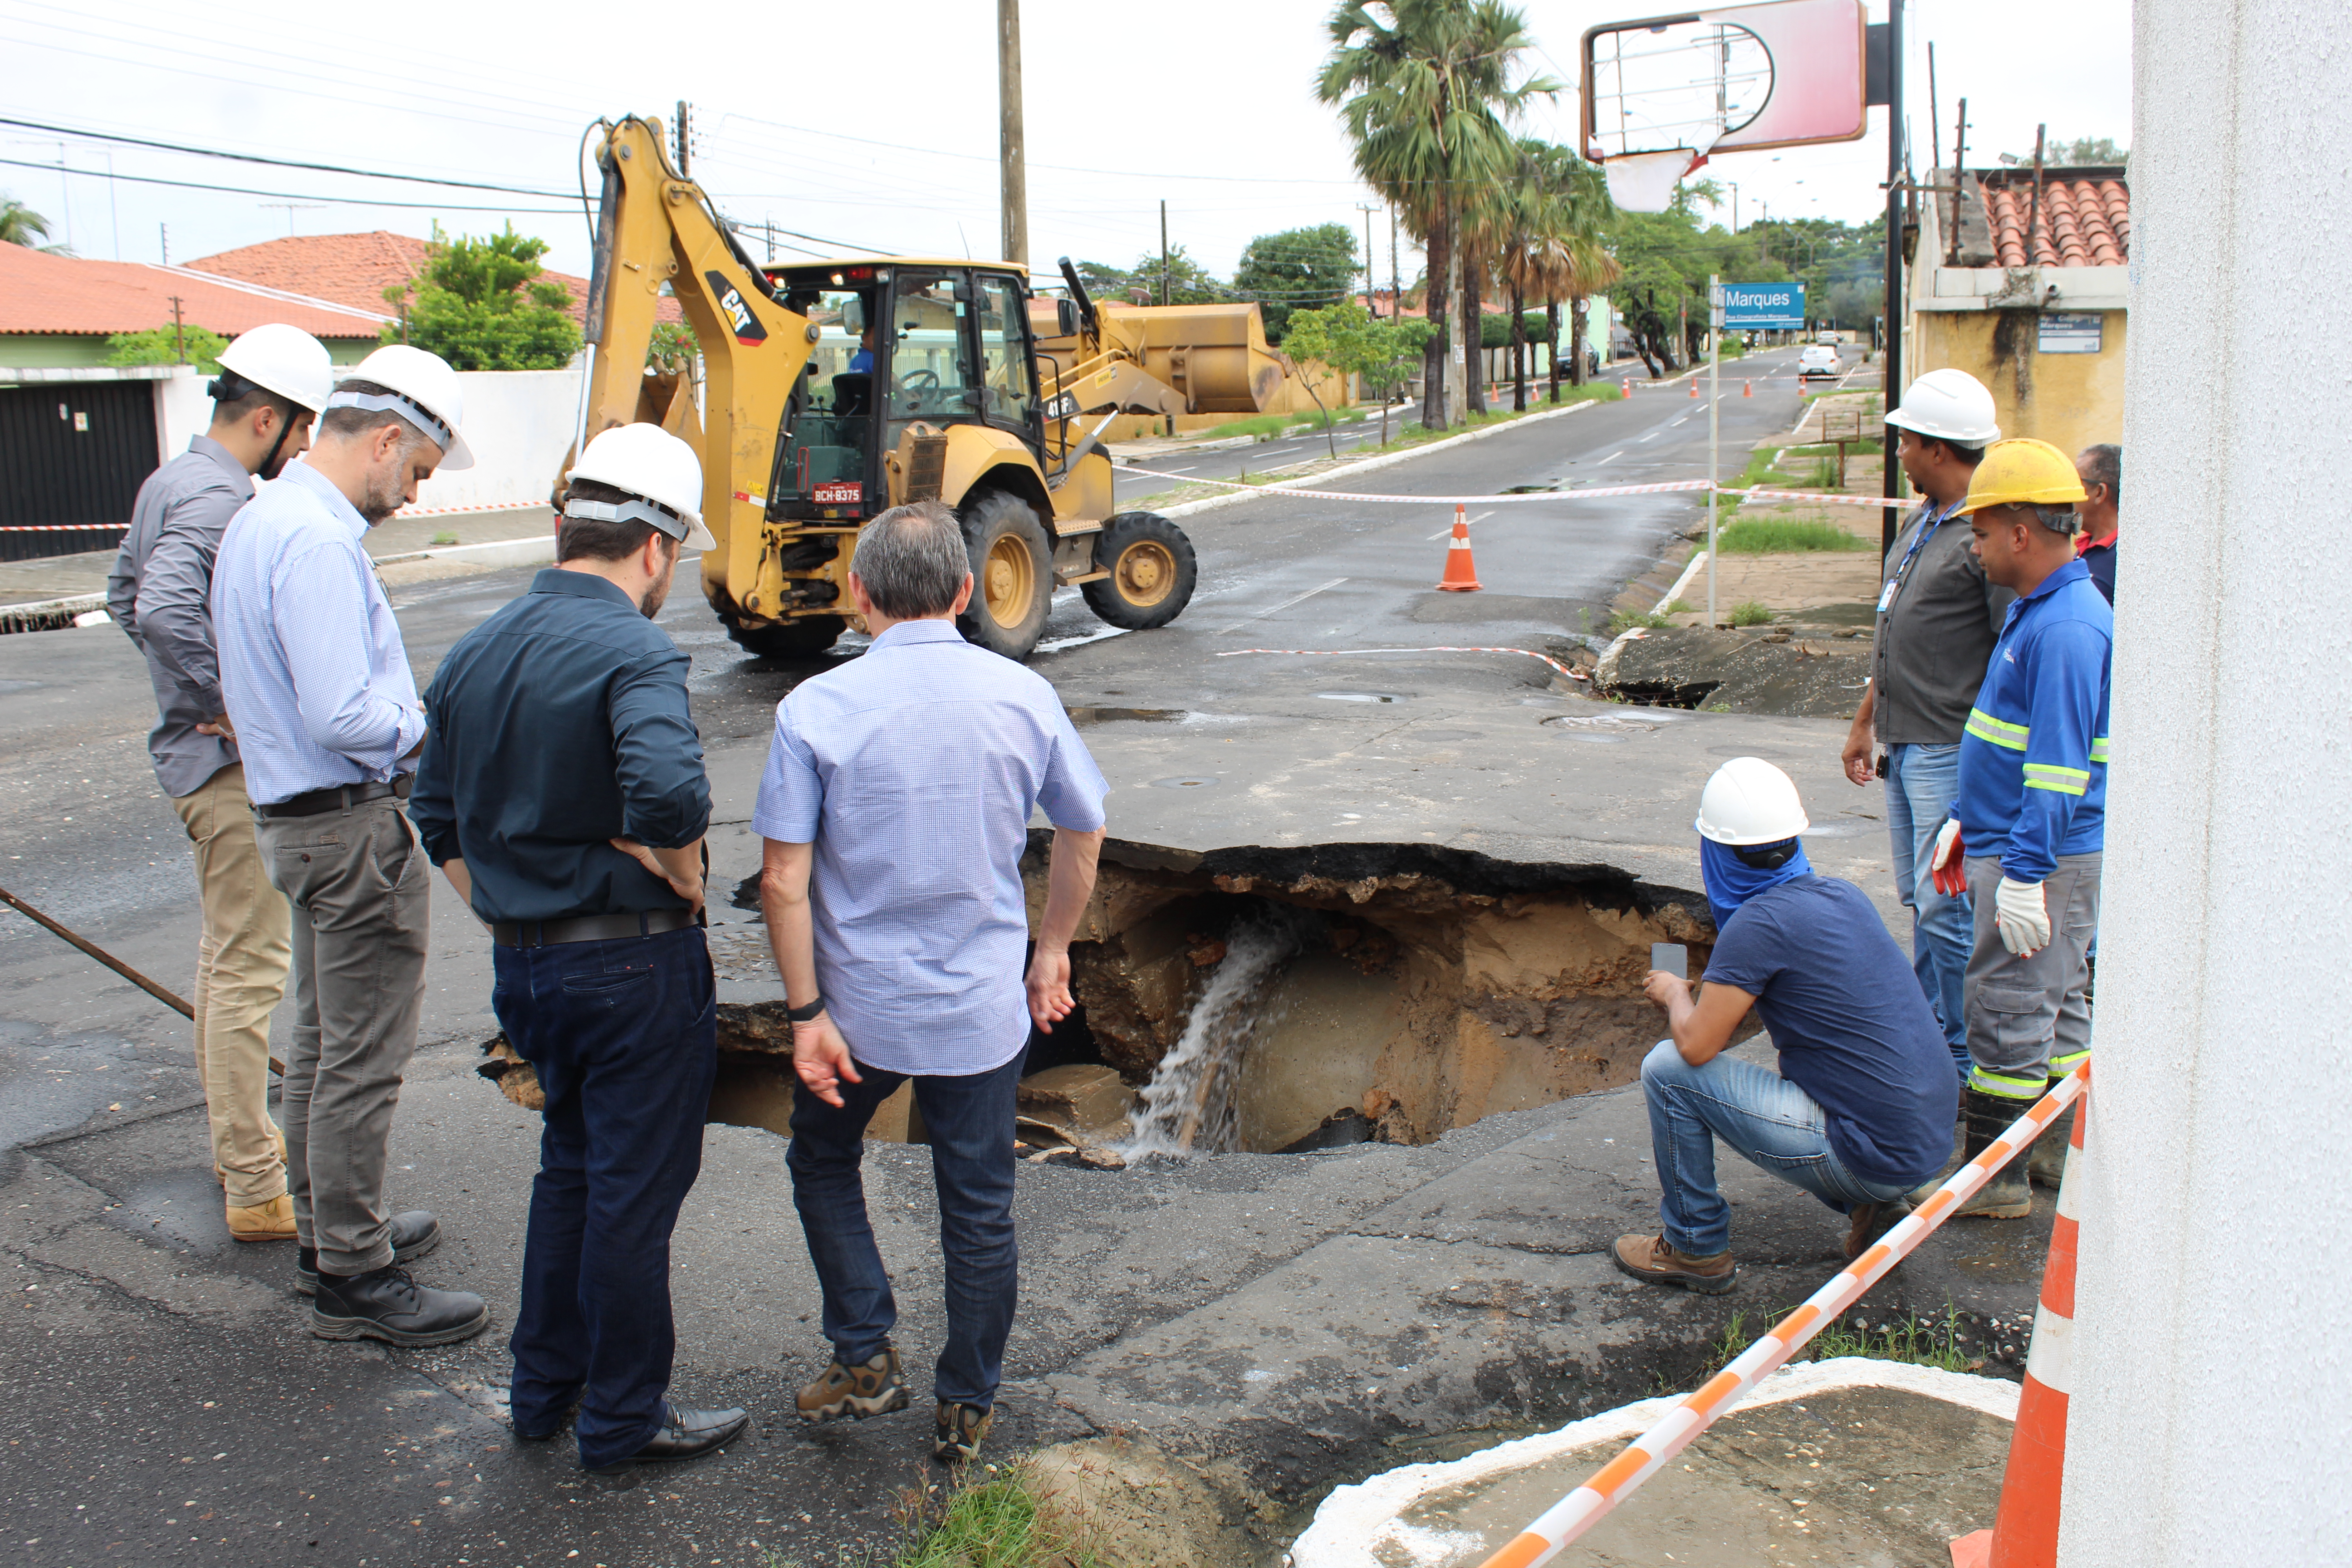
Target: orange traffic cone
1461	572
2025	1533
1747	389
1694	387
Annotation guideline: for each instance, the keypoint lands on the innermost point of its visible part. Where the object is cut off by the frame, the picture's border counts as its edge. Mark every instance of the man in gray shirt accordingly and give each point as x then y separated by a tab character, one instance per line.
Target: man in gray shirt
273	381
1938	618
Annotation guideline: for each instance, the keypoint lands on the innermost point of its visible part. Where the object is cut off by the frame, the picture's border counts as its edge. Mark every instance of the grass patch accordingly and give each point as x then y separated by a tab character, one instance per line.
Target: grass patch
445	537
989	1520
1264	426
1918	1341
1751	612
1829	449
1785	536
1623	621
1763	469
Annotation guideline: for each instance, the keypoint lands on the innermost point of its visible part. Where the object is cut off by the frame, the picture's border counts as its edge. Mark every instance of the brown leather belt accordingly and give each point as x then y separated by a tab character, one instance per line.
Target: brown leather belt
336	797
592	928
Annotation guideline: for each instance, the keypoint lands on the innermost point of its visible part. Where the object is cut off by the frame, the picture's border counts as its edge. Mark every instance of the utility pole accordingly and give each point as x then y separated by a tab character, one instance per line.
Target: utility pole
1396	284
1163	251
1367	208
1960	164
1891	382
179	333
1714	426
1014	181
685	135
163	234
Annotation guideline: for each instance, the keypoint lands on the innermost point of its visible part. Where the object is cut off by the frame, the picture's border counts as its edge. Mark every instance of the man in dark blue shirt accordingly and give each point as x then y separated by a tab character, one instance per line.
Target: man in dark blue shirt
1862	1109
563	790
2101	469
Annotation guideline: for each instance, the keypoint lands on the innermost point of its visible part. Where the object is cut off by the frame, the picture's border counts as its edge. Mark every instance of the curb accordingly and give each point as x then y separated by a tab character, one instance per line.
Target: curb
1386	460
497	553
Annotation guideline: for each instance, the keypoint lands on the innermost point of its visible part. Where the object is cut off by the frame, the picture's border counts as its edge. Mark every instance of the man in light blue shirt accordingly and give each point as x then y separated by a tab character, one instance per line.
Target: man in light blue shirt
326	718
895	808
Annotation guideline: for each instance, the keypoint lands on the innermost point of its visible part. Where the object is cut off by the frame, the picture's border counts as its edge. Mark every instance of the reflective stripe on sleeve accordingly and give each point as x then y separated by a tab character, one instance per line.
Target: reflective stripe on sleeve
2099	748
1985	726
2049	775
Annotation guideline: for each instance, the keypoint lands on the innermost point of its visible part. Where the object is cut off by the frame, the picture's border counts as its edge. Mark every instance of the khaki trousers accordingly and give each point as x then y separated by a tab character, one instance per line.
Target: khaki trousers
240	976
356	877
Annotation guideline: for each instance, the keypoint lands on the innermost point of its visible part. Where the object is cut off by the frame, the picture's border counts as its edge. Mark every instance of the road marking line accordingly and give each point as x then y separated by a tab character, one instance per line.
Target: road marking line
1449	527
1058	644
1294	599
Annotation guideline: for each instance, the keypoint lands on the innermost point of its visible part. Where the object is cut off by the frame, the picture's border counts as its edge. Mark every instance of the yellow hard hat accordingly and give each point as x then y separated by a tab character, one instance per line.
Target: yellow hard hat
2021	471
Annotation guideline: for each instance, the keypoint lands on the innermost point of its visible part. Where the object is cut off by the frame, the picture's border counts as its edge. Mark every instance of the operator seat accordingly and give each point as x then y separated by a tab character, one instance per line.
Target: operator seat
852	393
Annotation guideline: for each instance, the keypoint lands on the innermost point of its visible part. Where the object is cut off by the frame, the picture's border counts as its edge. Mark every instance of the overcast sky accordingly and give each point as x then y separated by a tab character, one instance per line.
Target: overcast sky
866	125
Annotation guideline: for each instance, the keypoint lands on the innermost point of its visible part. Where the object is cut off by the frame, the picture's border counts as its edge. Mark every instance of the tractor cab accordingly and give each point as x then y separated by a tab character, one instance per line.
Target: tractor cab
895	344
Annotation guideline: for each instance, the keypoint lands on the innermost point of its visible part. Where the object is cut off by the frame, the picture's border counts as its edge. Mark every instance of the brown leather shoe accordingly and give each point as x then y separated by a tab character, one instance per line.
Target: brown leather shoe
1871	1221
272	1221
873	1387
1654	1261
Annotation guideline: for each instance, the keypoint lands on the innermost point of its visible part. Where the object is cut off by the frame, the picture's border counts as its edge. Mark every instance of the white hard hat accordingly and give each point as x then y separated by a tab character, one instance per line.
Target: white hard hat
1949	405
646	460
285	360
425	390
1750	801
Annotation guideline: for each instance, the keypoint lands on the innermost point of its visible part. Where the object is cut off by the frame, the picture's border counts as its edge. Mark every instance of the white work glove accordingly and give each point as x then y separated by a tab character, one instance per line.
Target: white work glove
2018	914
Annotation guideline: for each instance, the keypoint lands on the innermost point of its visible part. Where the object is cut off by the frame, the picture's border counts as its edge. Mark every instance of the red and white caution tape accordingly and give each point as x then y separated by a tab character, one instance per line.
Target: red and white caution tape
65	528
478	506
1353	652
1614	1481
1598	492
1765	496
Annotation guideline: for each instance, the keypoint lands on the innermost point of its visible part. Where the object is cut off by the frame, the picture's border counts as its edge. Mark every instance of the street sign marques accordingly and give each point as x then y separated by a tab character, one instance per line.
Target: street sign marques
1767	305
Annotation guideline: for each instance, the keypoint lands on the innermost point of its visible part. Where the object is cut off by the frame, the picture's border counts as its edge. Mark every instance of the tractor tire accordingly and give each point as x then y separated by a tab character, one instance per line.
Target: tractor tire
1012	575
786	641
1152	572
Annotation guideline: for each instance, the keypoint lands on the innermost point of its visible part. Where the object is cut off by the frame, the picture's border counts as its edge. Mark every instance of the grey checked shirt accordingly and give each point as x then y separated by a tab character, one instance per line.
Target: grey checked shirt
157	594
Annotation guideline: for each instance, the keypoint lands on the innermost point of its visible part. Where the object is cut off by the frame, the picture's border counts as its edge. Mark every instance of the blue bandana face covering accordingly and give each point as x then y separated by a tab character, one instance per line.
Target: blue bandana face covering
1731	881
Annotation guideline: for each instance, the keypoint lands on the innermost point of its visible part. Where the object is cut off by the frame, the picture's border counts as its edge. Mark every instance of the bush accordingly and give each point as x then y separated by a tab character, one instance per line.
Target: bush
167	344
1750	612
1786	536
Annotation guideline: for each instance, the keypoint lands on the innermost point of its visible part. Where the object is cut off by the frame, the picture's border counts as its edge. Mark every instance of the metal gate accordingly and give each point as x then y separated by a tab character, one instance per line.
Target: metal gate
72	453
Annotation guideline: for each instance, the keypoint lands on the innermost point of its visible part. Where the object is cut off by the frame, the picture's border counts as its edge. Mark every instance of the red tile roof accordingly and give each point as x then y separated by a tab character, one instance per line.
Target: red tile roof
64	294
2085	221
356	269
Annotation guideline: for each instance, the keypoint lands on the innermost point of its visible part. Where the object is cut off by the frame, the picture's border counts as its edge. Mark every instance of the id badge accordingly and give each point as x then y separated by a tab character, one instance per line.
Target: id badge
1886	595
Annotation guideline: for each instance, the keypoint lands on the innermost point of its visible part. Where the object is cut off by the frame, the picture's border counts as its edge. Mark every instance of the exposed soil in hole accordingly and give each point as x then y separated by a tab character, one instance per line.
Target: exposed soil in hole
1420	989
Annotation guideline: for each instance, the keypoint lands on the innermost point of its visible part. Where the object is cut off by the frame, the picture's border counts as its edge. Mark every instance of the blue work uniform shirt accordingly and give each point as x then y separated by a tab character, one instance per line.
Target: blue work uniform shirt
914	771
1852	1025
559	724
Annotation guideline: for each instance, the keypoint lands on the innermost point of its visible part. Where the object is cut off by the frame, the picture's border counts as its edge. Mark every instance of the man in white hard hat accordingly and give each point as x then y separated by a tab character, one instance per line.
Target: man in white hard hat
562	791
325	709
1939	618
1862	1109
273	381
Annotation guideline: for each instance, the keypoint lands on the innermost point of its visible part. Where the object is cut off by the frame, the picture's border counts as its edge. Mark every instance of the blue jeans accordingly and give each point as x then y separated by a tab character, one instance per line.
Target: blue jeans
1921	783
968	1120
1769	1121
624	1037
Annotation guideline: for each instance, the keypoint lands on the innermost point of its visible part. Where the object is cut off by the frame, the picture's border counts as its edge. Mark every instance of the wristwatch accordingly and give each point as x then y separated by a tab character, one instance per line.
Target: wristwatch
804	1014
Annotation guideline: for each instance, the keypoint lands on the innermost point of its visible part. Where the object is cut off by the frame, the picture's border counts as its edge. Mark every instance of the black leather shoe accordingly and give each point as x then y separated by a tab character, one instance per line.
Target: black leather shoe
414	1234
388	1305
683	1435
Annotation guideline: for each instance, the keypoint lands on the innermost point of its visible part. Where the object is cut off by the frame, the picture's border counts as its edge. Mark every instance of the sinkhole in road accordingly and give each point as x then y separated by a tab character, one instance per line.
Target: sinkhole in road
1282	1000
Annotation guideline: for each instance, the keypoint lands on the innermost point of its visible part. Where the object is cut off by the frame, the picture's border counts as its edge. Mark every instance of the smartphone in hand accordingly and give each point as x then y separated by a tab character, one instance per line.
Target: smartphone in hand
1671	956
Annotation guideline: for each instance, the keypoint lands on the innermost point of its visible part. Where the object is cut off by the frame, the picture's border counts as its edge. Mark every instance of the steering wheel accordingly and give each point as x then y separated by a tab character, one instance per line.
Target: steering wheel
919	381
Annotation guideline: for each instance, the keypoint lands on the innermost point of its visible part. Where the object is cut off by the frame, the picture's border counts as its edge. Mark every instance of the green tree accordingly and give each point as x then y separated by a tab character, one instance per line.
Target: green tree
20	225
168	344
1188	282
1379	351
2072	155
477	306
1553	249
1423	87
1297	269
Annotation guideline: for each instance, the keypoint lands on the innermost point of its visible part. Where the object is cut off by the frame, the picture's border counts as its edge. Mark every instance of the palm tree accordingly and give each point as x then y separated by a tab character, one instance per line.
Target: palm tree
1555	251
20	225
1423	87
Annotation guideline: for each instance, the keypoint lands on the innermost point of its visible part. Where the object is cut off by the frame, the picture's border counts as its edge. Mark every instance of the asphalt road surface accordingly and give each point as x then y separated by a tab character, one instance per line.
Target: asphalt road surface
168	1406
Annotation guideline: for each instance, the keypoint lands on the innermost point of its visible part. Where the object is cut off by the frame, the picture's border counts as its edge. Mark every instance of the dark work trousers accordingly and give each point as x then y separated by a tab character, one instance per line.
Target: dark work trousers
970	1121
624	1037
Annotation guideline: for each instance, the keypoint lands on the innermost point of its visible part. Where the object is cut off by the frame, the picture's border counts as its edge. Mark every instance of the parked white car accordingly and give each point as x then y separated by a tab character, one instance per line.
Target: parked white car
1819	359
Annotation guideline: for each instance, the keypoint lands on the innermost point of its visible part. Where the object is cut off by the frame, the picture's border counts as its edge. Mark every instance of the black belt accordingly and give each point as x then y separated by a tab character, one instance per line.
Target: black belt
336	797
592	928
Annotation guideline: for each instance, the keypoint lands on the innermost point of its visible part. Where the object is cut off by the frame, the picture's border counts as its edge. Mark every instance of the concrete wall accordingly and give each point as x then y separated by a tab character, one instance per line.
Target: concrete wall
50	349
2068	400
2212	1370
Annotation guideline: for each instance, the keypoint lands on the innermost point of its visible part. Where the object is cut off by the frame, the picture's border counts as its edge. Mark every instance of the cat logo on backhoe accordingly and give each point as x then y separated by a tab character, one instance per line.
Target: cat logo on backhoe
745	325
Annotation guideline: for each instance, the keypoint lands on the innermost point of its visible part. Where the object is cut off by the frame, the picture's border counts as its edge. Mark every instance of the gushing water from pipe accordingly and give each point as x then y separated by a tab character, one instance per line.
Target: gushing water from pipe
1189	1106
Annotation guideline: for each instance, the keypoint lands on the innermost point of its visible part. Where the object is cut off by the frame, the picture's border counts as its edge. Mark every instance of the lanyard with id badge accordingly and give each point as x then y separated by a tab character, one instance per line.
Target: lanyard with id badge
1929	523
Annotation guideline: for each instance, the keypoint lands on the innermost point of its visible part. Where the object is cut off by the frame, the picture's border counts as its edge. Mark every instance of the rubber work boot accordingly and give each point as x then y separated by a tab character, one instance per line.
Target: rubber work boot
388	1304
1871	1221
414	1234
873	1387
1653	1260
2045	1162
2008	1195
959	1429
272	1221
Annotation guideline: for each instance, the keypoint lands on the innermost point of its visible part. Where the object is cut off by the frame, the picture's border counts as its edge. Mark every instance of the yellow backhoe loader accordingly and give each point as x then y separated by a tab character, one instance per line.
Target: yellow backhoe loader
833	390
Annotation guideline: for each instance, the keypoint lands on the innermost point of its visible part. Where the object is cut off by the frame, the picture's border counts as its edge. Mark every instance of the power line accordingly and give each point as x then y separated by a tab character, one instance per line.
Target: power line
251	191
278	163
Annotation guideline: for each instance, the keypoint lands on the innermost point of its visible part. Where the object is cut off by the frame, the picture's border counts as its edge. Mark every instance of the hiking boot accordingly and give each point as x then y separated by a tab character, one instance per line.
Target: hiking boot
2045	1162
2009	1194
959	1429
1871	1221
414	1234
1653	1260
272	1221
386	1304
873	1387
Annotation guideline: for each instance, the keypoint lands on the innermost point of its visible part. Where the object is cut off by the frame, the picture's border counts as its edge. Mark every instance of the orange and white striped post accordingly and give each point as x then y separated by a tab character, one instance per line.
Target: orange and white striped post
2026	1532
